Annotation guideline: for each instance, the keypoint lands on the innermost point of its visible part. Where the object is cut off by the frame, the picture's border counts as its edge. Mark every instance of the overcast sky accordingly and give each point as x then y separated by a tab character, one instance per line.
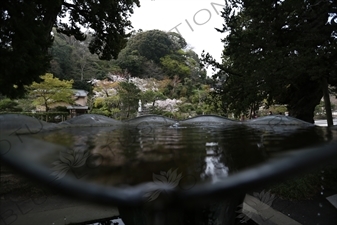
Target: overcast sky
195	20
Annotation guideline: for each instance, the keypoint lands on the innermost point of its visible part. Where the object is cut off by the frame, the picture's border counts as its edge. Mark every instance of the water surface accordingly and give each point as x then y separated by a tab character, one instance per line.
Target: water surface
183	153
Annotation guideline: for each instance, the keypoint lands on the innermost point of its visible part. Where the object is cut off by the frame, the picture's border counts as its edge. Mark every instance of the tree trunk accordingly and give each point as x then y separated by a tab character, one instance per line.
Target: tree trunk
49	20
46	105
327	103
304	100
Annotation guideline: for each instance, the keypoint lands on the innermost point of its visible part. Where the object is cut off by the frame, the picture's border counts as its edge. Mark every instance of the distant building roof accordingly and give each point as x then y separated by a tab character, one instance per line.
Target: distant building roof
77	107
80	93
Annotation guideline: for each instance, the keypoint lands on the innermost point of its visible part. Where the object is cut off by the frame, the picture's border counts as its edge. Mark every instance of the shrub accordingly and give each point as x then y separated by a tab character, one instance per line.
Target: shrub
60	109
8	105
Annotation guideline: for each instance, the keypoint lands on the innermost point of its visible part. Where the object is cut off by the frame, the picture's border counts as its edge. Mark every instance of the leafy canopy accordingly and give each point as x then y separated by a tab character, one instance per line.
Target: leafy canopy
146	47
279	51
175	66
158	54
26	34
51	90
8	105
73	60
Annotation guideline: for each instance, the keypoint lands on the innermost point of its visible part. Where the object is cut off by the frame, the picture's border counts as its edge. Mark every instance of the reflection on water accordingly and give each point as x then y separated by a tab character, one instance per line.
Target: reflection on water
215	169
129	154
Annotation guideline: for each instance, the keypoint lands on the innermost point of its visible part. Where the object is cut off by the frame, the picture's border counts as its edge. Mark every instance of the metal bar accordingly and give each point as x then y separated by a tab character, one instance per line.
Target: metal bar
273	170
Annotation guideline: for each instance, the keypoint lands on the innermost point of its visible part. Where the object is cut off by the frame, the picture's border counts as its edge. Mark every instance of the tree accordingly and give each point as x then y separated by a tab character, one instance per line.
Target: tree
51	90
26	34
278	51
62	63
152	44
9	105
150	96
85	63
73	60
148	47
157	54
129	95
152	70
177	40
132	61
174	65
108	106
198	73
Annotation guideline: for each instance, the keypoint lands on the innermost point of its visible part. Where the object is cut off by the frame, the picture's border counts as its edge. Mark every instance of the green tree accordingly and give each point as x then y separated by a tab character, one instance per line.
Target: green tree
51	90
198	73
85	64
129	95
152	70
280	51
173	64
108	106
147	48
8	105
152	44
156	54
178	42
150	96
73	60
62	64
26	104
26	34
132	61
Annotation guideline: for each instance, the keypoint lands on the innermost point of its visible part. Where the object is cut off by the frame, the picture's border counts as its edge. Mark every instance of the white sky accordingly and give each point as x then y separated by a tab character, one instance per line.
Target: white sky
197	19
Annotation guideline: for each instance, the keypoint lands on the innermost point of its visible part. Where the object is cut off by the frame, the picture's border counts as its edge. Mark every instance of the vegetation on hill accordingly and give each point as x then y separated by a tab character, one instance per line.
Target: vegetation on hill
275	53
26	34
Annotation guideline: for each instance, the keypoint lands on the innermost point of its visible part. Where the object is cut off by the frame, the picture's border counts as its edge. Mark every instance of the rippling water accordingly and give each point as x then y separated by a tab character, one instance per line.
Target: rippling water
186	152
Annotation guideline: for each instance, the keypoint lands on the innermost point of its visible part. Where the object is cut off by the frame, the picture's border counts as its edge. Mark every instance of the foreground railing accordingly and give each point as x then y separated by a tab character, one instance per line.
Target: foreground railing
271	171
286	164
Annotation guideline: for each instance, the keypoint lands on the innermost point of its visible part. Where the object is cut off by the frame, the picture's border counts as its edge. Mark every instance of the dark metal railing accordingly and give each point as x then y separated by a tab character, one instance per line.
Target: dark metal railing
273	170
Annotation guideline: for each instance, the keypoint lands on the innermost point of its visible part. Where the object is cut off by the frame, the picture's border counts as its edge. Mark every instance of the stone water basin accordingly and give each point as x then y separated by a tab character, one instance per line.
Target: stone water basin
141	158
